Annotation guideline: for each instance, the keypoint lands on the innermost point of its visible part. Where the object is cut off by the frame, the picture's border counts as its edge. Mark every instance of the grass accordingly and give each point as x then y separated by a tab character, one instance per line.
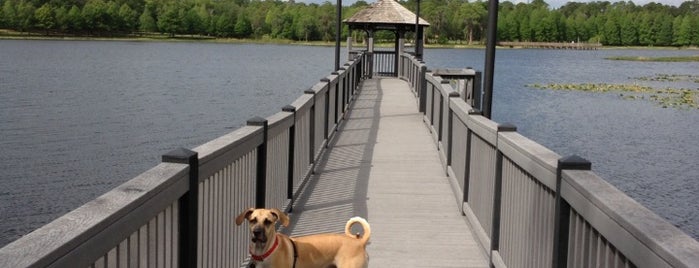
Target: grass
657	59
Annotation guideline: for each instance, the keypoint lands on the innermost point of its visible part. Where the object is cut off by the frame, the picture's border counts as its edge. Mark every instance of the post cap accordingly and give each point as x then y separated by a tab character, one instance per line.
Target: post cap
475	111
289	108
257	121
444	81
506	127
335	73
574	162
179	155
309	91
325	79
454	94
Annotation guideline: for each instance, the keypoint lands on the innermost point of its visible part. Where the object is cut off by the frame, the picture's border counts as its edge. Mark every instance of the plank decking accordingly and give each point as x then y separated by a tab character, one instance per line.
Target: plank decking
383	165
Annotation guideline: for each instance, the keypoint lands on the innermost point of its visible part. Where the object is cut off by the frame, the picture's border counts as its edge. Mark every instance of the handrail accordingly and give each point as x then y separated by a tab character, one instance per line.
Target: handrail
180	213
528	205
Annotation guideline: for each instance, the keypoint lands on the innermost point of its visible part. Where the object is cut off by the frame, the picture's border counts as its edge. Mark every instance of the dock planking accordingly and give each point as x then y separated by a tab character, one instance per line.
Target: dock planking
382	165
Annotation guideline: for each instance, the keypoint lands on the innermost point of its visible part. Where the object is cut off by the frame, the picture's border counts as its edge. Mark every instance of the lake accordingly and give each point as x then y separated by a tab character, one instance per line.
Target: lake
78	118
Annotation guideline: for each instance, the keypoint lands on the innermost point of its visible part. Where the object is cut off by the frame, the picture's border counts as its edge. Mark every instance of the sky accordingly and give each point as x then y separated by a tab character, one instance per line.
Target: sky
552	3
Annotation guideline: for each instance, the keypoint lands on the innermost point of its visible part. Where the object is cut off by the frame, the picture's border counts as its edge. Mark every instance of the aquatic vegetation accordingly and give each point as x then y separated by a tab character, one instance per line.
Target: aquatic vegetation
667	97
669	78
657	59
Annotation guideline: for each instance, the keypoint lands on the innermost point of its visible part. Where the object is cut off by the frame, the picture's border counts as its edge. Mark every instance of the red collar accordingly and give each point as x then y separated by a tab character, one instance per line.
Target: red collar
269	252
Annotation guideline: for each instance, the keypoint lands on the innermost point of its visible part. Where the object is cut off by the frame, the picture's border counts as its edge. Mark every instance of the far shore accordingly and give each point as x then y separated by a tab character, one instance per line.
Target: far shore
6	35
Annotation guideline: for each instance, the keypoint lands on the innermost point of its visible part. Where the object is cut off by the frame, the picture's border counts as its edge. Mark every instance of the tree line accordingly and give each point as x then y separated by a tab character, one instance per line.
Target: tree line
452	21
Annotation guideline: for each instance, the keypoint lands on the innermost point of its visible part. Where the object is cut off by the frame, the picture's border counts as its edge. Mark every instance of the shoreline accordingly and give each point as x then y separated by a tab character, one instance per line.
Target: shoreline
205	39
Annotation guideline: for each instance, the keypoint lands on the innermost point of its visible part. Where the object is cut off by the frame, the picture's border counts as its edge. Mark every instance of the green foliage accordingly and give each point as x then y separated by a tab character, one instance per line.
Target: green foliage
146	21
45	19
619	23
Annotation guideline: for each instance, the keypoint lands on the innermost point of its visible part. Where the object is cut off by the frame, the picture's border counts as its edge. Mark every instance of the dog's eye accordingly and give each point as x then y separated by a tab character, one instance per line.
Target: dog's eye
268	222
253	221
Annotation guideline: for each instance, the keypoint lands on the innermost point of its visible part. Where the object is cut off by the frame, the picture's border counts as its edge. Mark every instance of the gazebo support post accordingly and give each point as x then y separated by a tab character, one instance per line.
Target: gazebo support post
400	49
349	46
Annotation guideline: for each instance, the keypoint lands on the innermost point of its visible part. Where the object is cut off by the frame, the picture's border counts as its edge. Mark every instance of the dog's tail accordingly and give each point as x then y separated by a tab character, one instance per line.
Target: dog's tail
365	225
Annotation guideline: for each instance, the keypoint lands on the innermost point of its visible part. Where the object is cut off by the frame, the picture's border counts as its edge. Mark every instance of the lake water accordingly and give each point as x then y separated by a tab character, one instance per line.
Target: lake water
78	118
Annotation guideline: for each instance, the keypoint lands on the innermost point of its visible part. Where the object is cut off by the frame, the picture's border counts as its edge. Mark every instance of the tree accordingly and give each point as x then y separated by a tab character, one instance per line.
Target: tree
9	14
611	34
473	15
75	22
25	15
242	27
45	19
62	22
127	18
146	21
628	31
94	16
170	19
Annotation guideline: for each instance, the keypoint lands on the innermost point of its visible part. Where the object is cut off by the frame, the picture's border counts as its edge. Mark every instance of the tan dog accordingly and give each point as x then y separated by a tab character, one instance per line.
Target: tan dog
272	249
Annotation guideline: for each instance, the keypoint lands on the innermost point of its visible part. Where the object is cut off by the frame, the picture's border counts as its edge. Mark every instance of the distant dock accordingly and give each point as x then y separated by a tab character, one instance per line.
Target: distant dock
548	45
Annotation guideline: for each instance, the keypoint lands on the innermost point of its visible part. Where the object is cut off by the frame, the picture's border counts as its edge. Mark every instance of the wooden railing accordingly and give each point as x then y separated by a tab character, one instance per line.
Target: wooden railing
529	206
181	212
384	63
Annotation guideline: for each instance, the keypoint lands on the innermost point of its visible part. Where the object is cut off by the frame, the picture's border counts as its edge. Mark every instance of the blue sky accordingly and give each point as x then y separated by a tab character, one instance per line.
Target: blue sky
552	3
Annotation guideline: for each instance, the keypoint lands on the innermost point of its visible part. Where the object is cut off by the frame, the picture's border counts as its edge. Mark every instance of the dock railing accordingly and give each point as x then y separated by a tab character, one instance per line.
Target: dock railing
181	212
529	206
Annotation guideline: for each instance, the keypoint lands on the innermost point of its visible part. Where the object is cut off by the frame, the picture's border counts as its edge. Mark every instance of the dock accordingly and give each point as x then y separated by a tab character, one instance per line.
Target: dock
552	45
382	166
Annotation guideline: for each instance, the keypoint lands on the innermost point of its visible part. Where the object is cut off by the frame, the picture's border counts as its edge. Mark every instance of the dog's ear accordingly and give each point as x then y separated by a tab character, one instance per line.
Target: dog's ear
281	216
243	216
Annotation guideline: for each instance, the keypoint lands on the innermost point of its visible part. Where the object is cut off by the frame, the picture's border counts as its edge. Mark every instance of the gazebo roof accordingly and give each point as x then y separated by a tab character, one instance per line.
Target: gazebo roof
384	14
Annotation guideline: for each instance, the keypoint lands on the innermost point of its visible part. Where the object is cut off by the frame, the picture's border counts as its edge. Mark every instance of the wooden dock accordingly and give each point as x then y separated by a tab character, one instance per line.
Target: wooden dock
382	165
407	153
552	45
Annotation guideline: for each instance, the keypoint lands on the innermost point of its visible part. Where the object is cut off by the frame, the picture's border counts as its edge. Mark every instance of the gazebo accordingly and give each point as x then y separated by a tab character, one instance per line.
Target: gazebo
387	15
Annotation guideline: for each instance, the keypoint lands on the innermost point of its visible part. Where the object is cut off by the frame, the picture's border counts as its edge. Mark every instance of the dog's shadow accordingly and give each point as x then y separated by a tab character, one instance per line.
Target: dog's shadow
338	189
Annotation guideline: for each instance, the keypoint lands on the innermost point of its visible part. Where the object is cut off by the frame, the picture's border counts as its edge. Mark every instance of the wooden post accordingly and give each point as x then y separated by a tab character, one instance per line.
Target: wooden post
399	54
188	207
349	47
497	195
290	163
467	165
450	128
561	220
261	184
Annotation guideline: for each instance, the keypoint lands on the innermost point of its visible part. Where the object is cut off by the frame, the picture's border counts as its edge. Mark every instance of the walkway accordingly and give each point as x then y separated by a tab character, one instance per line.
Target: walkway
383	165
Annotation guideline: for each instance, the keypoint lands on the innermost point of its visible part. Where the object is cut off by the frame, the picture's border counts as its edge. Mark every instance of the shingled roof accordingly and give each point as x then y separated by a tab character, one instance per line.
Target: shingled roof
385	13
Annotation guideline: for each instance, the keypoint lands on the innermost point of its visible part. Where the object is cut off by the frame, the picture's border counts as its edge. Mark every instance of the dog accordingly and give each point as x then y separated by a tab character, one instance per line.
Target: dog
276	250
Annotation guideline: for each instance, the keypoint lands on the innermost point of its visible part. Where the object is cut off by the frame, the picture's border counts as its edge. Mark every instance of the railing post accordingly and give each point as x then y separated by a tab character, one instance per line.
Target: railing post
497	195
467	167
261	170
477	90
188	207
562	210
337	93
326	125
450	126
312	126
422	85
290	162
442	103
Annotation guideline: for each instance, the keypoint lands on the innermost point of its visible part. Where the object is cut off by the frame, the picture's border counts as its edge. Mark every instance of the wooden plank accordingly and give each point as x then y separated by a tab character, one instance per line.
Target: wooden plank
383	166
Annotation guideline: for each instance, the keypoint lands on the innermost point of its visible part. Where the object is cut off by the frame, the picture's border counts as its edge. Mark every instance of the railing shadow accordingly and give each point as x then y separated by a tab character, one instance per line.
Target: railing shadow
338	189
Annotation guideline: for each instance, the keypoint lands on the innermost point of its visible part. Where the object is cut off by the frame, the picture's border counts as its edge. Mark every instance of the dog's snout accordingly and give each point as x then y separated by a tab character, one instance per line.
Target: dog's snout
257	232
